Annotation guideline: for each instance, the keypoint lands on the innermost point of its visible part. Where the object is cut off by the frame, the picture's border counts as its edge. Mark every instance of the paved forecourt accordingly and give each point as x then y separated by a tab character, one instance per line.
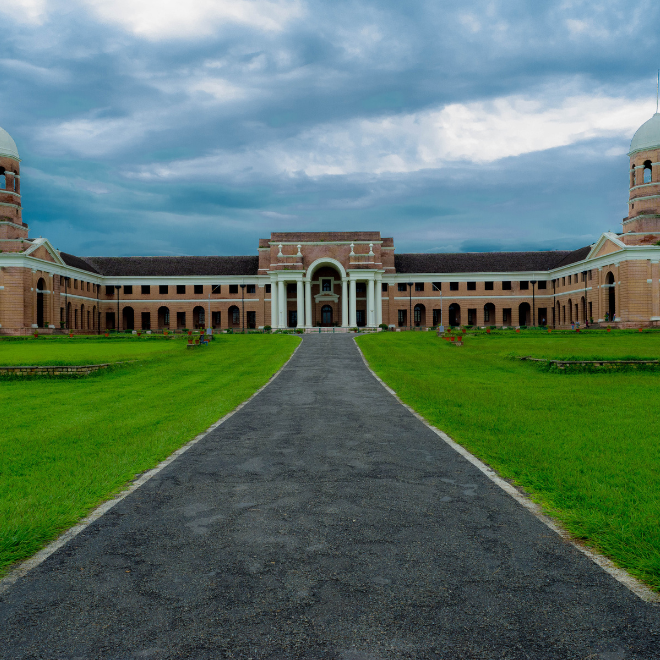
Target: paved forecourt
323	520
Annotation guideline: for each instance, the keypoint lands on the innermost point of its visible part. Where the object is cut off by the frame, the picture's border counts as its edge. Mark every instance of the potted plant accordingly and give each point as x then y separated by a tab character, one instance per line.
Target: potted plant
36	335
106	333
71	335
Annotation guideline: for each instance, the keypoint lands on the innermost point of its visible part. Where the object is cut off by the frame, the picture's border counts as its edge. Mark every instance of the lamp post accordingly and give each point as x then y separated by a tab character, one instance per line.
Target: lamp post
66	302
117	286
410	305
533	303
243	306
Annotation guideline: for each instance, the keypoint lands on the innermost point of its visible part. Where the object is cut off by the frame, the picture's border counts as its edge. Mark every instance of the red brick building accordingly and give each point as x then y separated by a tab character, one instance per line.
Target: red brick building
343	279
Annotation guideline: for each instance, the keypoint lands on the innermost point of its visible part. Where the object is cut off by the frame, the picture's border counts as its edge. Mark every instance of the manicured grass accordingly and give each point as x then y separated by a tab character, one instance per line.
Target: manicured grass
66	445
584	445
84	350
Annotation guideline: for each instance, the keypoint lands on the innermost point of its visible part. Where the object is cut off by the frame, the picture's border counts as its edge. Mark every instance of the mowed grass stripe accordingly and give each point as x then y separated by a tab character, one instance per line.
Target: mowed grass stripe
586	446
67	445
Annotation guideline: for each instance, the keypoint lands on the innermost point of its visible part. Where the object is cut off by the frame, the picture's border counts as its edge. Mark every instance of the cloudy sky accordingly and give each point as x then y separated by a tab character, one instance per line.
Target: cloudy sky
197	126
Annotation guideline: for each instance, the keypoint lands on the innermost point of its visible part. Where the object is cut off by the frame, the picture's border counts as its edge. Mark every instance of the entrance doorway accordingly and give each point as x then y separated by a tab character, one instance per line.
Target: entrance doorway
326	316
454	314
41	285
611	307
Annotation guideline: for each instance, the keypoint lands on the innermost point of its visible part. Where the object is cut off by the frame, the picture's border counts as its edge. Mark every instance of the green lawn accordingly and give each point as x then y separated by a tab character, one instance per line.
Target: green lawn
585	445
67	445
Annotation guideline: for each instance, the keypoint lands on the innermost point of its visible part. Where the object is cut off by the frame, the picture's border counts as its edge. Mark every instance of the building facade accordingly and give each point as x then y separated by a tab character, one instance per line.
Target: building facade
336	279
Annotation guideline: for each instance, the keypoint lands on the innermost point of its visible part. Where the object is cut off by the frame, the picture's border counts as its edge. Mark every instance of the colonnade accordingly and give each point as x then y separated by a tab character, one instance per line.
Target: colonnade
279	301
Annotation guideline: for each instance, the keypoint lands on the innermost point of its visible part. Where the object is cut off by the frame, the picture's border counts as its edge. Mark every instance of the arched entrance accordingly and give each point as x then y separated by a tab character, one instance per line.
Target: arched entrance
326	316
199	317
489	314
611	306
41	286
524	314
82	317
129	318
163	317
454	314
68	317
419	314
570	311
234	317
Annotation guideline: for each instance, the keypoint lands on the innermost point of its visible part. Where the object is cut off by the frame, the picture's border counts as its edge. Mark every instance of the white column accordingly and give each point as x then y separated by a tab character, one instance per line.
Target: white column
281	304
300	305
308	304
371	309
273	303
344	303
352	315
379	300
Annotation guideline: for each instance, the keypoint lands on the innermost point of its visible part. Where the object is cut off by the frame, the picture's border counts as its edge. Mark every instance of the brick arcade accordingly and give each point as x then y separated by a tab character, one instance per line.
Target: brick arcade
336	279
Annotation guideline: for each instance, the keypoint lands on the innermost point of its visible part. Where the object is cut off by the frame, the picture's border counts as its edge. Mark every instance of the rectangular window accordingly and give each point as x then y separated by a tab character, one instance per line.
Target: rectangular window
488	286
383	287
61	314
251	320
267	288
590	275
88	285
326	285
181	289
146	320
506	285
563	281
419	286
590	312
402	317
215	319
293	318
233	288
128	290
291	289
437	286
75	284
250	288
146	289
360	318
199	288
402	287
180	320
524	284
471	286
110	320
569	279
472	316
163	289
506	315
360	287
543	284
453	286
436	317
109	290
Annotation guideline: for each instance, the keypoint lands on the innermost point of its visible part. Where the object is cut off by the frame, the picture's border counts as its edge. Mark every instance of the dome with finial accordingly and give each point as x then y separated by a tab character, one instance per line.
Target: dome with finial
7	145
647	136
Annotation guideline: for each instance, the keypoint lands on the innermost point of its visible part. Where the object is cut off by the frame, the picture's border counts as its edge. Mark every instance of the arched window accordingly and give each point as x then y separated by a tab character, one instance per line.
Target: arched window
418	312
647	171
3	181
234	314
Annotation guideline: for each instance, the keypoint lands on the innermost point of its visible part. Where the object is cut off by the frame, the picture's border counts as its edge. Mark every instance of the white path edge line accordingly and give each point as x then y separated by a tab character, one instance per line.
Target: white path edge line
632	583
26	566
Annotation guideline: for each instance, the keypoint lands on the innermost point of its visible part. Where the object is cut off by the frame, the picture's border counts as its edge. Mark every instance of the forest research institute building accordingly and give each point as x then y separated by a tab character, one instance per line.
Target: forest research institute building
336	279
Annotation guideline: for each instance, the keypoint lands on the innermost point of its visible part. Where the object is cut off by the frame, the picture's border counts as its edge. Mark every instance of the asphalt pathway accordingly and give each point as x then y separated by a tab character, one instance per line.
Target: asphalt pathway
323	520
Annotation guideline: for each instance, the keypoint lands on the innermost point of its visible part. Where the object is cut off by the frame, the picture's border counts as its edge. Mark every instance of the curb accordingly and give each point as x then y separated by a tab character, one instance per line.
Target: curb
26	566
619	574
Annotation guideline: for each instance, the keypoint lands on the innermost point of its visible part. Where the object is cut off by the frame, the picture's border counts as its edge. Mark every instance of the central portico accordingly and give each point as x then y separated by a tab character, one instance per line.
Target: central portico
326	278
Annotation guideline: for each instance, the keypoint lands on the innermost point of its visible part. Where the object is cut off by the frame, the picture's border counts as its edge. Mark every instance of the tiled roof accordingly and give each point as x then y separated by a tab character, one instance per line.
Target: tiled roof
576	255
77	262
174	266
486	262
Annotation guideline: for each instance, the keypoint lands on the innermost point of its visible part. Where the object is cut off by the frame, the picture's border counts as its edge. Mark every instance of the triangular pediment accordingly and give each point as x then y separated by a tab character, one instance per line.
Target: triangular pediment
42	249
607	244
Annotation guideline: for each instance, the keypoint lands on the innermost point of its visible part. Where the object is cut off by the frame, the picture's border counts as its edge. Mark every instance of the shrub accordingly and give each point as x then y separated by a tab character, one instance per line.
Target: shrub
384	326
267	328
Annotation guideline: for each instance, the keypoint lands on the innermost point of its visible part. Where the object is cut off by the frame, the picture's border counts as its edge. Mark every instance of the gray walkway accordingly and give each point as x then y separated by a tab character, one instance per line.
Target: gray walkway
322	520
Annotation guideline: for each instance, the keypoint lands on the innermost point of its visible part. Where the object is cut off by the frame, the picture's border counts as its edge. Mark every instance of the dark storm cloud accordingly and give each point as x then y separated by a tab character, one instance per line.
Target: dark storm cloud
474	126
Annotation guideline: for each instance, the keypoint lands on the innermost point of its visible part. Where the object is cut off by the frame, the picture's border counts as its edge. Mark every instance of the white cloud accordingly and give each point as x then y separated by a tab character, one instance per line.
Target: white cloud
25	11
167	19
479	132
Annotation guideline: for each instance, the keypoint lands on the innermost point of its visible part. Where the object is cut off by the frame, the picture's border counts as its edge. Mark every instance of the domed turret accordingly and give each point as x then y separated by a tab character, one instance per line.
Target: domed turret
7	145
644	200
12	230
